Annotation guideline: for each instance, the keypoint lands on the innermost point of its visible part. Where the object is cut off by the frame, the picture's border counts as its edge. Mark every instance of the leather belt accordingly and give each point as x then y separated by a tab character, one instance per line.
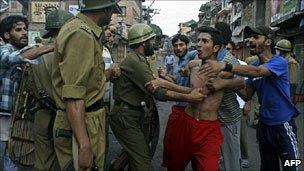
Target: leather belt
128	106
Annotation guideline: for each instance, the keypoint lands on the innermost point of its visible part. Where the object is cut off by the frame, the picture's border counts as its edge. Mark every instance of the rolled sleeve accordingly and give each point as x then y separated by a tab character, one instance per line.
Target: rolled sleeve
74	92
77	51
160	94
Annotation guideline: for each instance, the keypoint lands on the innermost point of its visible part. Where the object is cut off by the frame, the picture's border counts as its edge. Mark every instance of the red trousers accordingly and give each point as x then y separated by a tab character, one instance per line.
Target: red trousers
187	139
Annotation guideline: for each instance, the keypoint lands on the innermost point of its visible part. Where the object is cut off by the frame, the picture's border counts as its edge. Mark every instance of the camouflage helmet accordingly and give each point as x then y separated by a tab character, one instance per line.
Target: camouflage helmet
139	33
92	5
283	45
54	20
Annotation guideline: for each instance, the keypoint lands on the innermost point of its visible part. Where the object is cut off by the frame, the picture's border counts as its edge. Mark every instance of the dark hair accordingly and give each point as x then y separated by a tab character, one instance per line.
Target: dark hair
9	22
180	37
232	44
225	30
215	34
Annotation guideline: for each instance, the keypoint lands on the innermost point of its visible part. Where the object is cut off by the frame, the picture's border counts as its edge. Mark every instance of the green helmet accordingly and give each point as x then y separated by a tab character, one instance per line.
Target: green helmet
91	5
56	18
139	33
284	45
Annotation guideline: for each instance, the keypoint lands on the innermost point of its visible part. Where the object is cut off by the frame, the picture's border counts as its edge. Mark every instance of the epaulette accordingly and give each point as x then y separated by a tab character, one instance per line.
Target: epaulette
86	28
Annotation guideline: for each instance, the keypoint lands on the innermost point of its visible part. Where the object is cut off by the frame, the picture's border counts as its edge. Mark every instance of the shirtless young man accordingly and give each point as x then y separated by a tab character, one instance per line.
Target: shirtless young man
195	135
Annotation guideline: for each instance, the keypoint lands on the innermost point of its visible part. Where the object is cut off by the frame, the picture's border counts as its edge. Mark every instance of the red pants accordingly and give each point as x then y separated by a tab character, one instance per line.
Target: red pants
187	139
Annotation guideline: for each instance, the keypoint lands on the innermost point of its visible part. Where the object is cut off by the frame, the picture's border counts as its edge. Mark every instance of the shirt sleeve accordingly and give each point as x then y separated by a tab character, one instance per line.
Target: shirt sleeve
249	82
277	66
9	56
293	73
138	72
77	63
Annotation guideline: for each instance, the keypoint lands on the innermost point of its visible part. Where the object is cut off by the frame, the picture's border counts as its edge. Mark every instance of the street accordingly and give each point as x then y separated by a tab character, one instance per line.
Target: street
164	109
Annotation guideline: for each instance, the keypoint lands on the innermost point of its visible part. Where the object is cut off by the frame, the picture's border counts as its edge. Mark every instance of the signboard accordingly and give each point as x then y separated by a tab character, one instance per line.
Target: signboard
38	12
281	8
73	9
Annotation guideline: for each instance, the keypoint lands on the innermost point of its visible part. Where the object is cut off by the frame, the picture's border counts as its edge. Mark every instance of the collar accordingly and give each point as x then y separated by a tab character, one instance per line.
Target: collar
93	26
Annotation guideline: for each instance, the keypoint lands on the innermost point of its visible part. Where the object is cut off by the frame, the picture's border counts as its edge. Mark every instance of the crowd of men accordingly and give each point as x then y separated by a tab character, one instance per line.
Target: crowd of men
73	74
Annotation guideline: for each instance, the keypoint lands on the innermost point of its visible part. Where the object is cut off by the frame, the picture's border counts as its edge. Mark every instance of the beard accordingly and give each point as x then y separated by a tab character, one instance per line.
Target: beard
18	43
180	53
103	21
256	49
148	50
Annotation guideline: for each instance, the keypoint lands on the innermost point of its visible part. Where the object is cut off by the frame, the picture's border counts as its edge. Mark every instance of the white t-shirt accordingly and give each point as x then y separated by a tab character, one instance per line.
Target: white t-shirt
108	62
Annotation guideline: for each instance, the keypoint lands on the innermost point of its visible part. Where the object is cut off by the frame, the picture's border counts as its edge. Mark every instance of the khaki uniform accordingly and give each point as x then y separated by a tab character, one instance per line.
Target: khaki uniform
79	74
127	113
293	69
45	157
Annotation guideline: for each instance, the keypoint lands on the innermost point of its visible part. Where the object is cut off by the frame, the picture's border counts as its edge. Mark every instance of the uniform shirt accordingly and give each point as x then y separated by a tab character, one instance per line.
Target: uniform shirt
293	69
229	111
130	86
41	75
273	93
10	74
108	62
78	71
181	79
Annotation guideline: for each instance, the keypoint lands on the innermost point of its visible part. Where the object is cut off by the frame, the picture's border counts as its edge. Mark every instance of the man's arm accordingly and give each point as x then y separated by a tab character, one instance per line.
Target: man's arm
243	70
162	74
76	116
163	94
113	72
194	97
246	93
158	82
34	53
235	83
9	57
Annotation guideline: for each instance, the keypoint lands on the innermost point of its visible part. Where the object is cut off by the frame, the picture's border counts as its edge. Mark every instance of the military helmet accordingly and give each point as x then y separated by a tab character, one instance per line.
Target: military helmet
91	5
284	45
56	18
139	33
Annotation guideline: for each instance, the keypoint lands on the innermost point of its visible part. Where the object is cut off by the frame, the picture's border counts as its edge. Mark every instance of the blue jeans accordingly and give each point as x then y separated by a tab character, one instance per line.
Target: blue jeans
5	162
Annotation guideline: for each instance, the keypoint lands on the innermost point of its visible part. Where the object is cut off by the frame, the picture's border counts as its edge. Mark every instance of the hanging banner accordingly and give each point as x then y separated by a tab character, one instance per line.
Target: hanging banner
282	8
38	10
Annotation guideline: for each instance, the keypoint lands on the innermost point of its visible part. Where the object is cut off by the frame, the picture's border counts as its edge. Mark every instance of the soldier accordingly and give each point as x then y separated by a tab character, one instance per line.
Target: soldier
131	89
13	55
45	157
283	48
79	83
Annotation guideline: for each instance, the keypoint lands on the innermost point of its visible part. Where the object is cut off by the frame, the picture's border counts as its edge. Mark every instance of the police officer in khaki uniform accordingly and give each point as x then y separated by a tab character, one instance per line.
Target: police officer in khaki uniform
79	82
45	157
283	48
131	89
